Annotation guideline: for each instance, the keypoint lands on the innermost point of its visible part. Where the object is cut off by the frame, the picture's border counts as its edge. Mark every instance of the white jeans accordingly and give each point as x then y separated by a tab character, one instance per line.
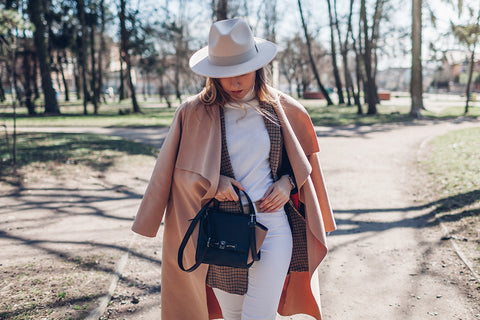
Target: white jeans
265	277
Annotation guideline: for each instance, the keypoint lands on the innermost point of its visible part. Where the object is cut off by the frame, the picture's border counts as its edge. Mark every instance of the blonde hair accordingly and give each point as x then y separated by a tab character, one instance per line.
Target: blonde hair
213	93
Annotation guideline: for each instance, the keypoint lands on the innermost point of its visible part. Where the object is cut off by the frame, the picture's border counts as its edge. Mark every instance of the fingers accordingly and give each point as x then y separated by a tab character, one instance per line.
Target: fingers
237	184
227	194
231	195
225	190
274	198
274	202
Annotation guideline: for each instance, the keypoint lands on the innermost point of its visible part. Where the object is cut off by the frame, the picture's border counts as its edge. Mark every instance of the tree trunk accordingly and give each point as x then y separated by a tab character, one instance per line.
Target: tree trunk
121	88
36	93
377	17
57	76
469	81
359	60
178	62
35	11
333	47
416	83
82	53
344	52
163	94
27	73
2	91
220	10
310	55
369	87
178	94
60	60
126	55
358	72
103	50
13	71
93	85
78	81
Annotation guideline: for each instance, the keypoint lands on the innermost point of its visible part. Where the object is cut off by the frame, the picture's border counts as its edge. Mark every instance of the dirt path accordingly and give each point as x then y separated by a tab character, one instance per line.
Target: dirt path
386	261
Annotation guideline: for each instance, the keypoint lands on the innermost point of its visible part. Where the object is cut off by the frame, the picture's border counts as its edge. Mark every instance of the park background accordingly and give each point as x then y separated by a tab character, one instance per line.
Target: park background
88	89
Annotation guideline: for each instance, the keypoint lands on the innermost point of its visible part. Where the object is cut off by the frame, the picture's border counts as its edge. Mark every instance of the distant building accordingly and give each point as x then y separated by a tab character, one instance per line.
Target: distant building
452	74
394	79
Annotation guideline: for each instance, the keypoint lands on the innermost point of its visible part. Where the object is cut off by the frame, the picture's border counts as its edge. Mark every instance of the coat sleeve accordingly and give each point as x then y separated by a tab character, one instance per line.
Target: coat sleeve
152	208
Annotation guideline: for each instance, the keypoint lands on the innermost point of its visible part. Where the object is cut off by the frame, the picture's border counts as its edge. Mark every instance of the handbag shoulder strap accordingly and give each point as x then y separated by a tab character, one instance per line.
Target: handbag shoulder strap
187	236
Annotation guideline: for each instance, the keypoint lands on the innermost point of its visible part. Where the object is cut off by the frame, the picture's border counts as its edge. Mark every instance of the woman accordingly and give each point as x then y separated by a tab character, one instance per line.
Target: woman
240	132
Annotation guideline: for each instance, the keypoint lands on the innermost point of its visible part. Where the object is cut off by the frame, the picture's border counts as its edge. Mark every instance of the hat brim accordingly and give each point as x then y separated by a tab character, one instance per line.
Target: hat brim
200	64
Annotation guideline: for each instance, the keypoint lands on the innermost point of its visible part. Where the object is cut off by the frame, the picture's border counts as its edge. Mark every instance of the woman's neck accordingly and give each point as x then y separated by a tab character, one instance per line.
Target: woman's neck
249	96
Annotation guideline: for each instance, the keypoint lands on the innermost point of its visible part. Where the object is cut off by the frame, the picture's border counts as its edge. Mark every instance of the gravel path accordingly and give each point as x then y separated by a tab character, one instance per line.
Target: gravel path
386	261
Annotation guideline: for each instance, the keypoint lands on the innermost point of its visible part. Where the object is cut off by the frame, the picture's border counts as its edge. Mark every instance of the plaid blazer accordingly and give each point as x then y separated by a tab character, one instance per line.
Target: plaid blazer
235	280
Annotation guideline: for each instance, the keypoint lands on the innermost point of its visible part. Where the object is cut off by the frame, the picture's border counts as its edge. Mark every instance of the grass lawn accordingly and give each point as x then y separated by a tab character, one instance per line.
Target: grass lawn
453	165
50	151
109	115
155	113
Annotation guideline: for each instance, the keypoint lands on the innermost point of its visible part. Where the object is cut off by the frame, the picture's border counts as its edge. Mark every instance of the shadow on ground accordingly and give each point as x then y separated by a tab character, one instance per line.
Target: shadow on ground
364	130
434	208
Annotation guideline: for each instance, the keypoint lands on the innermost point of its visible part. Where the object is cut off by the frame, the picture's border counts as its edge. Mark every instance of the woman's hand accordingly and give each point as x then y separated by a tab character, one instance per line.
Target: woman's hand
225	191
276	196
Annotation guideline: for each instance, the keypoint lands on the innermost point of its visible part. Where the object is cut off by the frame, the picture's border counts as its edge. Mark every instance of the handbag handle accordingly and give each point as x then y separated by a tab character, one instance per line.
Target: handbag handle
187	236
252	223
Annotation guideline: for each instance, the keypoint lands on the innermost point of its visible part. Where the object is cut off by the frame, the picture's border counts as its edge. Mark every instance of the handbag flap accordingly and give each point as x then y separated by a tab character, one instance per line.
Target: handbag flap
260	234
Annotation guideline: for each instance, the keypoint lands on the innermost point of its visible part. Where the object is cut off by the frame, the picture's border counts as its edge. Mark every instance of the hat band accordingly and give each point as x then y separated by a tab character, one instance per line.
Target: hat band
233	60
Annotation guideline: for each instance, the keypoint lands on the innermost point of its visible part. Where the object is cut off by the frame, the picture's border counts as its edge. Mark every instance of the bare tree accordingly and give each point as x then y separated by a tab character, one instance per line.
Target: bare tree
469	35
270	20
358	69
82	53
333	48
310	55
288	63
416	83
36	11
220	9
295	65
93	18
28	56
103	48
125	54
370	37
344	50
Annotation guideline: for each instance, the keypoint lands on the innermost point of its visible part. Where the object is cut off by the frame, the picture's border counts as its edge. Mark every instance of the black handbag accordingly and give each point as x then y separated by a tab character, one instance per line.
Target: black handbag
225	238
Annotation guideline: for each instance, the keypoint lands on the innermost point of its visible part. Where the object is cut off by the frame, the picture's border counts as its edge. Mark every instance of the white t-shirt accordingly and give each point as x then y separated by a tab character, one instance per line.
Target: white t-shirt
248	145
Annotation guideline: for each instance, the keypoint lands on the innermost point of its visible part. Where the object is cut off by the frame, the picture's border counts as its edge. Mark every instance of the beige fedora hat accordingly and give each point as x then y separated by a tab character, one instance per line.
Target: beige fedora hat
232	51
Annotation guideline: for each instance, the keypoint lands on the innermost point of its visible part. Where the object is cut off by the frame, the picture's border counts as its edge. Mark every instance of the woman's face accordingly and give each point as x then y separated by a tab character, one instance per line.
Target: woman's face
238	87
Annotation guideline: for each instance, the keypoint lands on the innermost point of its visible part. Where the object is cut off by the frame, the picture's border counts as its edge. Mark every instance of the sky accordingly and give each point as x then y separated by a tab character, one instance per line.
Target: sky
394	52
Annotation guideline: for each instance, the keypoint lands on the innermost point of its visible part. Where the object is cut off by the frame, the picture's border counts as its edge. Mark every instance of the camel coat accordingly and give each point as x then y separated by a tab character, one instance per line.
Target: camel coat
186	176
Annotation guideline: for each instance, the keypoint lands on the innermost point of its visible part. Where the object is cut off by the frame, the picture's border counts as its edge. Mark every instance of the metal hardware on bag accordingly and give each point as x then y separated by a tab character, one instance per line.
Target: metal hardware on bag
221	245
208	242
